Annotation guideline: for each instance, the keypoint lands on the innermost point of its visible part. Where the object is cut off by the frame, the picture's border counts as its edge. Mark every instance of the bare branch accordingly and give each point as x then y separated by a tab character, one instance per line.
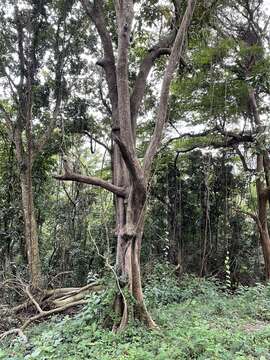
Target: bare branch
91	180
174	58
33	300
139	87
96	14
41	315
98	141
14	331
132	163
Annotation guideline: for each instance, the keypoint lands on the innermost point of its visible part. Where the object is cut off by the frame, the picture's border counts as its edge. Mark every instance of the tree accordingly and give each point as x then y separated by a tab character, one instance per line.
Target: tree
233	77
33	94
250	36
130	177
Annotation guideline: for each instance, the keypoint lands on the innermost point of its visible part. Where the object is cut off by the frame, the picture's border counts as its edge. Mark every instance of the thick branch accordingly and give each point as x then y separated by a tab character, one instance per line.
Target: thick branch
132	163
124	22
174	58
266	166
229	139
190	135
96	14
184	151
91	180
236	137
162	48
20	49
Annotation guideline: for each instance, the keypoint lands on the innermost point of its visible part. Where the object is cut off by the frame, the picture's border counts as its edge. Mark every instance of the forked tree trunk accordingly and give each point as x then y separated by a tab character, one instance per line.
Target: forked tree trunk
130	177
128	265
30	228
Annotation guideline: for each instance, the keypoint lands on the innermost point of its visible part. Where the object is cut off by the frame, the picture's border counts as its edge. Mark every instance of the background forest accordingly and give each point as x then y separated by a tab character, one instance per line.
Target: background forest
135	174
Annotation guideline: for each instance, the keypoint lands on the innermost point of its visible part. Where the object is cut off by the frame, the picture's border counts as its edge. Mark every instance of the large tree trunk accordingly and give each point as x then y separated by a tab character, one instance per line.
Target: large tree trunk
128	264
130	178
30	228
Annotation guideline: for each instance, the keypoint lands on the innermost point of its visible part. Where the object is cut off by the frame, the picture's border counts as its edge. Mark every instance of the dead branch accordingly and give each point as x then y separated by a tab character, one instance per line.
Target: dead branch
13	331
33	300
70	176
75	296
58	300
19	331
60	291
69	297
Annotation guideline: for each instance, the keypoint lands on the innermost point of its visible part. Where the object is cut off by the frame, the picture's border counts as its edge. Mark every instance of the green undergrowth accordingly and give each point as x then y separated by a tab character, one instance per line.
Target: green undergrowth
198	319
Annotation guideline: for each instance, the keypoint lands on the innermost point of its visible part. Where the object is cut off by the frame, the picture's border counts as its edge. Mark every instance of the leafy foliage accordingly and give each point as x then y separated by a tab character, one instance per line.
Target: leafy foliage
205	323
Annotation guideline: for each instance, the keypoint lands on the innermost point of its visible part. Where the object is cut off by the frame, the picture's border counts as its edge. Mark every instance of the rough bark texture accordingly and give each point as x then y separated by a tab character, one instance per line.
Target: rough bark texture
31	234
130	179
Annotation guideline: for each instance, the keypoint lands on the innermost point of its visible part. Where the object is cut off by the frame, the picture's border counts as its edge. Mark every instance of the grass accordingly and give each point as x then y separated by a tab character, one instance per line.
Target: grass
197	321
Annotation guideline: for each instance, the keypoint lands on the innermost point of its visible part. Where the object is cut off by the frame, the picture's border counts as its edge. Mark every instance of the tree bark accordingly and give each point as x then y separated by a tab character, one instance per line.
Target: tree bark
29	43
25	161
130	179
30	228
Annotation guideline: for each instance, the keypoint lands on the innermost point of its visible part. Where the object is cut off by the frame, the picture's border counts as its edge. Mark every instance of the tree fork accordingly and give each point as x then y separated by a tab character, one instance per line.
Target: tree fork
128	173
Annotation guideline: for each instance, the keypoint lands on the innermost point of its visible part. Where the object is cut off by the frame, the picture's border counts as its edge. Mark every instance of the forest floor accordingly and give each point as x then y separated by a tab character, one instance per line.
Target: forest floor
197	318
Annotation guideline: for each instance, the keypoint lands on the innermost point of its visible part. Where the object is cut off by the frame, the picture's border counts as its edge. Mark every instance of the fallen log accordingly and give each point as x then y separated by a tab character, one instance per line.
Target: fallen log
42	314
57	300
75	296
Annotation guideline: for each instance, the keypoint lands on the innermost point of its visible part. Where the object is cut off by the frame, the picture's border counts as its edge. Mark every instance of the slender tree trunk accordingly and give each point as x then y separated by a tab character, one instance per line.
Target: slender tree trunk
205	233
174	214
262	199
30	228
262	188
